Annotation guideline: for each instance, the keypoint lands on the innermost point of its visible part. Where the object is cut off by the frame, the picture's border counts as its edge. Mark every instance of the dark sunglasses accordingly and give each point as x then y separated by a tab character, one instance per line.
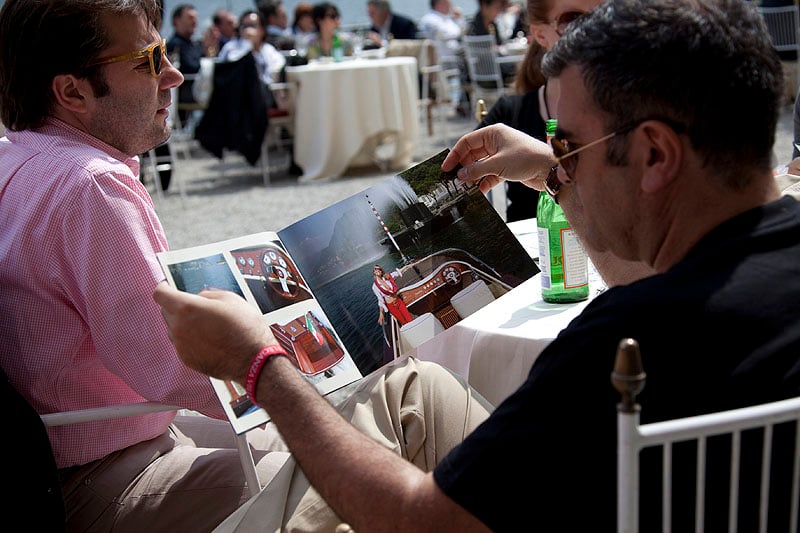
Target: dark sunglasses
334	16
153	52
565	19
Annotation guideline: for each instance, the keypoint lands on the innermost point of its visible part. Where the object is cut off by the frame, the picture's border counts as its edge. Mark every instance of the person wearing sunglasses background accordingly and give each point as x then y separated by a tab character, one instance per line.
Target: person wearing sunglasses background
78	242
326	19
671	182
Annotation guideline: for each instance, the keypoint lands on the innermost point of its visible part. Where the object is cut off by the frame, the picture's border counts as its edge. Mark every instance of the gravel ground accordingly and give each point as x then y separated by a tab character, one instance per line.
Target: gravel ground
229	199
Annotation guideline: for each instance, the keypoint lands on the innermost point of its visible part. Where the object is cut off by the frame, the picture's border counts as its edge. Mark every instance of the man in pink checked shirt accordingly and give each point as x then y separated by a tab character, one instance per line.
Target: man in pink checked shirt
84	87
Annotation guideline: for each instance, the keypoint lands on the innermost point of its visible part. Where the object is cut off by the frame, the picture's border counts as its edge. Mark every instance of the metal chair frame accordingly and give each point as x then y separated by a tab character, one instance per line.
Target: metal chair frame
632	437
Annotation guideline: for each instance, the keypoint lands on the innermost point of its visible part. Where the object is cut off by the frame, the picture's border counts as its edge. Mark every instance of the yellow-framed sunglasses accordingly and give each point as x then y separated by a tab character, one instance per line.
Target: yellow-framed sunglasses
154	53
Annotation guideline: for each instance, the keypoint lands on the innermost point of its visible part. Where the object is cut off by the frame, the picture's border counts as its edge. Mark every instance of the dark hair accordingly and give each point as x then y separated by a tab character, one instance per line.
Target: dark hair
319	11
247	12
268	8
40	40
707	65
537	11
216	20
179	9
528	76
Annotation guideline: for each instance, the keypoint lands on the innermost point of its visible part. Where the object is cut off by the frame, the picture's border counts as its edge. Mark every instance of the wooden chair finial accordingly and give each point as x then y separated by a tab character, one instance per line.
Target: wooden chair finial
628	376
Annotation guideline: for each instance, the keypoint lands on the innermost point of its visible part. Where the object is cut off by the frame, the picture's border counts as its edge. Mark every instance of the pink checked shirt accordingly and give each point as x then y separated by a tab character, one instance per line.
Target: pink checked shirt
78	325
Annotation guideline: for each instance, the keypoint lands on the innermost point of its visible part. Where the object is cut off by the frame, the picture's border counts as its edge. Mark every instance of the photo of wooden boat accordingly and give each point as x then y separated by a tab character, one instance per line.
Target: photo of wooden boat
310	343
441	289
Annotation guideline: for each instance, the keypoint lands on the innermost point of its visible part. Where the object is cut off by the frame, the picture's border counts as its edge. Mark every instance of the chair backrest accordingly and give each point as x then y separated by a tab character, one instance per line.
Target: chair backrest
481	57
783	24
744	463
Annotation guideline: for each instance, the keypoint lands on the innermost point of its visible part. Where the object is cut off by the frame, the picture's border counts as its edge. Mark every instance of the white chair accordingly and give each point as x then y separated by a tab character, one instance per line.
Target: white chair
471	298
628	378
281	122
425	326
135	409
783	24
438	81
485	76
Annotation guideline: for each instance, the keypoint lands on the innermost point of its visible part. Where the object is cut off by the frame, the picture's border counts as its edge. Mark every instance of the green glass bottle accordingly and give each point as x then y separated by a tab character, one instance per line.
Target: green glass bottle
562	259
337	50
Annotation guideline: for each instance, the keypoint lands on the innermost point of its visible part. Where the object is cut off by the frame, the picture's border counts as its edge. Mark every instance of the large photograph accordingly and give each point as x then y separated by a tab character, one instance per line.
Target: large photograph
406	259
258	268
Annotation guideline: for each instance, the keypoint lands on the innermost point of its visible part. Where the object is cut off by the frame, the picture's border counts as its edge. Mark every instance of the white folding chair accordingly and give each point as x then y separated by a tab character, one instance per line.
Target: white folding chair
438	80
485	76
628	378
281	123
135	409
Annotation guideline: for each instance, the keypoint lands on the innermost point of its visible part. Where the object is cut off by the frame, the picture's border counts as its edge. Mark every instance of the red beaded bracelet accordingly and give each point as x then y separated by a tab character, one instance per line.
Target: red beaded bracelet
256	365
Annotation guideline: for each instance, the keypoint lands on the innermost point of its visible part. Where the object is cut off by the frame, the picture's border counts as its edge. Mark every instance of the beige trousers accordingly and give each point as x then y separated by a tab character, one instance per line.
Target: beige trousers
419	410
191	479
188	479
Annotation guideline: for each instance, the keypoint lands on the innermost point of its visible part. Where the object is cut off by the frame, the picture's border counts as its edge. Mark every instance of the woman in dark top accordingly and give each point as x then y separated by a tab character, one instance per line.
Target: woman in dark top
522	111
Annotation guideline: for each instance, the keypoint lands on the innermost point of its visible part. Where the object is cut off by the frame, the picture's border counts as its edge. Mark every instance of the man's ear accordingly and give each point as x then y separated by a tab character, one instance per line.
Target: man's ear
71	92
664	155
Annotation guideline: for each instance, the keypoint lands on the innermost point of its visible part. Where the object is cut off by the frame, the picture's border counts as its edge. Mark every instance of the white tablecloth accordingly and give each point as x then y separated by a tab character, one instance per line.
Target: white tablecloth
344	109
495	347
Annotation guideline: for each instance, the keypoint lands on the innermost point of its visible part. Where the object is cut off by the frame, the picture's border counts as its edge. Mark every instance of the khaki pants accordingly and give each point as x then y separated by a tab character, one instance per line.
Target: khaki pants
191	479
417	409
188	479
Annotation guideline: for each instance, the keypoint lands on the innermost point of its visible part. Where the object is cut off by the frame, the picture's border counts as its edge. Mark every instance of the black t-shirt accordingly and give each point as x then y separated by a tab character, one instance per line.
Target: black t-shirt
719	330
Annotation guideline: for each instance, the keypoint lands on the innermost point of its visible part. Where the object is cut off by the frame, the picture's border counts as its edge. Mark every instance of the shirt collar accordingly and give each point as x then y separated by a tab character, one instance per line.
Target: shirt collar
56	126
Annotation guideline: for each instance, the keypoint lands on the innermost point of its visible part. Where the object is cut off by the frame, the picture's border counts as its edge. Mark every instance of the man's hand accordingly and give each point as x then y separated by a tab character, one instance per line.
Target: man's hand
499	152
215	332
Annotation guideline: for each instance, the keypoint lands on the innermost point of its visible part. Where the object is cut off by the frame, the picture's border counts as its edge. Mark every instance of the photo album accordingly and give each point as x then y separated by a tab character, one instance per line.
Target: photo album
361	282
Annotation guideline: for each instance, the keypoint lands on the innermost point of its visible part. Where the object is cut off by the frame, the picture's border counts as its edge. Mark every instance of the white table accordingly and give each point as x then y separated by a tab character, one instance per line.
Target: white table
344	110
495	347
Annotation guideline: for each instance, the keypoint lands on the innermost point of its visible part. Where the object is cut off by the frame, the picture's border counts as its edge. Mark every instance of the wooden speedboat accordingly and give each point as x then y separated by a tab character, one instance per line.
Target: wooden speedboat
438	292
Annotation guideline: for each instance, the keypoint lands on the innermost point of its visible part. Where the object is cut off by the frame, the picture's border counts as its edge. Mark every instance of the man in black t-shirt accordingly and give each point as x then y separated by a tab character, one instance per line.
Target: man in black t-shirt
651	166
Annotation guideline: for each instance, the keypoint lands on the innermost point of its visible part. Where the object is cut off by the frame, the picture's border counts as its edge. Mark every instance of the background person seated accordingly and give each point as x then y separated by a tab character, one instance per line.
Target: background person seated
387	25
326	20
276	21
303	25
252	38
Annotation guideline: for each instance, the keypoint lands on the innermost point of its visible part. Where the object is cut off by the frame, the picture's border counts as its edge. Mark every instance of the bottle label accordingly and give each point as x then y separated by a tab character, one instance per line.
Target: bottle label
544	257
576	268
